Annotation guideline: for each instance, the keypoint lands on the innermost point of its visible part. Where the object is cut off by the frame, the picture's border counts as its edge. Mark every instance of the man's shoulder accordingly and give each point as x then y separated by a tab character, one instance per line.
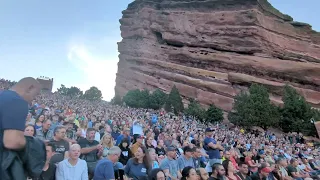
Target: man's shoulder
10	95
95	142
181	158
82	140
104	162
291	168
166	160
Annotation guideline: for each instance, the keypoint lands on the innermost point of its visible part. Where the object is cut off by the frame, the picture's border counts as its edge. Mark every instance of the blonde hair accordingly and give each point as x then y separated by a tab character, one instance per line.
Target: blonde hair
110	144
84	124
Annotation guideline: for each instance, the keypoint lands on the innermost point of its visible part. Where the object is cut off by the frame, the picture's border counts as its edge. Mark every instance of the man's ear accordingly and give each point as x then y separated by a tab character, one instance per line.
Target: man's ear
30	88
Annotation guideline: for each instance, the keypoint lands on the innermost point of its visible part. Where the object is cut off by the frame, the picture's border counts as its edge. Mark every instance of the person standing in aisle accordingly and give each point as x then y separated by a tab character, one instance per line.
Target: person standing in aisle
14	106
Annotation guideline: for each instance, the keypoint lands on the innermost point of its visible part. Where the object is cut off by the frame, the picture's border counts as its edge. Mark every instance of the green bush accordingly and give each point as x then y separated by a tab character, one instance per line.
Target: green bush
93	94
116	100
143	99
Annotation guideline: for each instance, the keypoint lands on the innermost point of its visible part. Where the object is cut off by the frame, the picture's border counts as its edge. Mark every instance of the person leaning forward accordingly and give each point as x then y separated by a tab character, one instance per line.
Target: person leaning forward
13	112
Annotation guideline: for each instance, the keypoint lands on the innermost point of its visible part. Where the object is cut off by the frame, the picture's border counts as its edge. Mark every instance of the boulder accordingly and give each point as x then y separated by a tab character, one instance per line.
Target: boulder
214	49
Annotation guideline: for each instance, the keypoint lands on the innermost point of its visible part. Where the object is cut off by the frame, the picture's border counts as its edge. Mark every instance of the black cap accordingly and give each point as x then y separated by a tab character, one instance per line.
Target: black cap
188	149
209	129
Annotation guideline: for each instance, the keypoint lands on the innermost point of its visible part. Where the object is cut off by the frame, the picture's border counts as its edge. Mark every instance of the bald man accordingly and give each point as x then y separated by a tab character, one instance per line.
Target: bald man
13	112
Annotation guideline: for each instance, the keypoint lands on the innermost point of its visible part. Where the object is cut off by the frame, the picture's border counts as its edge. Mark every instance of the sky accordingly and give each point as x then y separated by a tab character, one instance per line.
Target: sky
75	41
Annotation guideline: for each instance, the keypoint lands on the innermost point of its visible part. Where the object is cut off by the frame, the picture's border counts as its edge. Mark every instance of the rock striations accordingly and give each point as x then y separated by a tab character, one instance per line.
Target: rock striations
213	49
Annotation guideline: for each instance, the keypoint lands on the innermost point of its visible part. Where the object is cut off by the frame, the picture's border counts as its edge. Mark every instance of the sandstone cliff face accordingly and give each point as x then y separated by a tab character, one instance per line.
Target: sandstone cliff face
213	49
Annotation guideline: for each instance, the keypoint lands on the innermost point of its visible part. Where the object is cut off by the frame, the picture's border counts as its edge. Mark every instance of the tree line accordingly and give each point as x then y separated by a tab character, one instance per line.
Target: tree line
93	93
171	102
254	108
251	108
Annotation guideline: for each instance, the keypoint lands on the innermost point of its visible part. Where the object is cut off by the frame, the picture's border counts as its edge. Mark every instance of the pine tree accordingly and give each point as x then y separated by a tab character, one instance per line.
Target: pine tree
296	113
157	99
194	109
254	109
174	101
214	114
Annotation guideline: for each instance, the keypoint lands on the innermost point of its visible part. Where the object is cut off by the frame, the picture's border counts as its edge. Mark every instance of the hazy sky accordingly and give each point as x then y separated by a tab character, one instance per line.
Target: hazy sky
75	41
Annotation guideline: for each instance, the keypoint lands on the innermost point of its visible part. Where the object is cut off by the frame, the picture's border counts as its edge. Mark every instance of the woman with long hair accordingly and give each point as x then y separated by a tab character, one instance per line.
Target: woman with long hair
153	158
39	122
83	126
157	174
139	166
107	143
189	173
230	170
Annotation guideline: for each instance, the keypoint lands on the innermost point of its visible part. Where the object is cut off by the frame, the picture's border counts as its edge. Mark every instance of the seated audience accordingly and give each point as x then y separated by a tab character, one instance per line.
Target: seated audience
139	166
189	173
91	150
61	146
72	168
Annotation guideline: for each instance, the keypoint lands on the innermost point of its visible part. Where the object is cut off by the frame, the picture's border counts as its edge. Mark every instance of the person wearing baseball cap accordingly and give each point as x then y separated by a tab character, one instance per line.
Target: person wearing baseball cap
212	148
169	165
137	144
263	172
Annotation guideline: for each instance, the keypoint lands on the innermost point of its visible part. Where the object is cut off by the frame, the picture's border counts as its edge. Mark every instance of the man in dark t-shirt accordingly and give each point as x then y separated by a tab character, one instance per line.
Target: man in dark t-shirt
13	114
91	150
61	146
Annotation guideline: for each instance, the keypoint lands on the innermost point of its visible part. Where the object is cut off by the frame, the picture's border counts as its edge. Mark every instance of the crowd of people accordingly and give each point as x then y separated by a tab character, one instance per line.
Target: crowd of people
97	140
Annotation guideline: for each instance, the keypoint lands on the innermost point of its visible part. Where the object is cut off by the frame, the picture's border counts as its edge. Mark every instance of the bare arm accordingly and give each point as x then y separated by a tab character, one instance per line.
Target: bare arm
88	149
14	139
215	146
296	175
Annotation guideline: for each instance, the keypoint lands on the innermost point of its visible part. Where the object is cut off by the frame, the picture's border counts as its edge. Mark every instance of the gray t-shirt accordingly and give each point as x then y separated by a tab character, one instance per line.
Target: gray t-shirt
172	165
183	162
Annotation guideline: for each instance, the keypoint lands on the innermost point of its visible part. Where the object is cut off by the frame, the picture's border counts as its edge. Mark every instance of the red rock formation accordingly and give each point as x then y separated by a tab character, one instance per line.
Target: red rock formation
213	49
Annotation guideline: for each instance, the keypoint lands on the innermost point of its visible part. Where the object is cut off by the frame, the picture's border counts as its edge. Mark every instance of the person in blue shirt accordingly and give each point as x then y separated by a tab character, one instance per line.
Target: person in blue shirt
138	167
105	168
212	147
14	108
125	134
